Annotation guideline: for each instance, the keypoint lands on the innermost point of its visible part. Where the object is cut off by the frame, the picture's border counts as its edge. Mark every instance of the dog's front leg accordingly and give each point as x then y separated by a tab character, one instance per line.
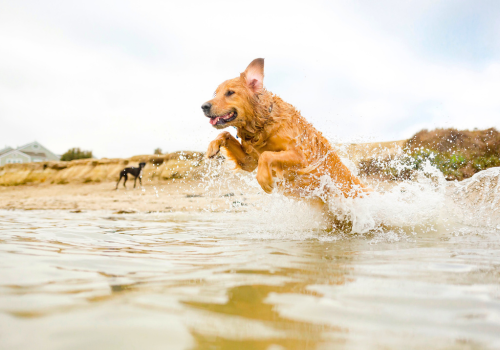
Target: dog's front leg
234	151
281	160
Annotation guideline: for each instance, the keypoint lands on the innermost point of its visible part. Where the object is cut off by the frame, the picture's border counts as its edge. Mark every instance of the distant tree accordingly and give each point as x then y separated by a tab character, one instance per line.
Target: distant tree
158	151
76	153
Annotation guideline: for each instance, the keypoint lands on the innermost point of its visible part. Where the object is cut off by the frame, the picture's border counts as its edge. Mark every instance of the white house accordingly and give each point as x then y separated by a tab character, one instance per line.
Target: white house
32	152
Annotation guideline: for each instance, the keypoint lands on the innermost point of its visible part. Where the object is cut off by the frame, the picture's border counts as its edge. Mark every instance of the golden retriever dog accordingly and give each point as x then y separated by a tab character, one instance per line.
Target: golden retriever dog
275	139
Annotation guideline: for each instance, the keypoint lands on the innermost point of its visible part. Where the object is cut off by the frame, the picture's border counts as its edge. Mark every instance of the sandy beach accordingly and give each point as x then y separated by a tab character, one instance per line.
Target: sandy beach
175	195
180	181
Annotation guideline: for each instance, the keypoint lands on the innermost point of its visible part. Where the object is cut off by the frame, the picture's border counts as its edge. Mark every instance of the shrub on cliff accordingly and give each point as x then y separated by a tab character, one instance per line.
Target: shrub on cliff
76	153
458	154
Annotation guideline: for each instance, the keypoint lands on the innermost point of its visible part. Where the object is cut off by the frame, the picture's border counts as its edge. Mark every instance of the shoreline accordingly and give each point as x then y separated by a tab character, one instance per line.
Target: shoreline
168	196
179	181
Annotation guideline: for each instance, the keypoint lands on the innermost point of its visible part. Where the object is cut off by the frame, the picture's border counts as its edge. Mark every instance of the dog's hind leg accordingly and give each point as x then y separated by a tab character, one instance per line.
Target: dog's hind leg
125	181
135	181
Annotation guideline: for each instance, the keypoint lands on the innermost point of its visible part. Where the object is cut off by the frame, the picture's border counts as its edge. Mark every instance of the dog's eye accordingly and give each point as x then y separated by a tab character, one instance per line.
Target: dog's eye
229	92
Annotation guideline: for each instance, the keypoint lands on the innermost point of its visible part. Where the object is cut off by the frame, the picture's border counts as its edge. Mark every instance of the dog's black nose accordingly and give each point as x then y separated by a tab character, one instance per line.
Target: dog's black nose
206	107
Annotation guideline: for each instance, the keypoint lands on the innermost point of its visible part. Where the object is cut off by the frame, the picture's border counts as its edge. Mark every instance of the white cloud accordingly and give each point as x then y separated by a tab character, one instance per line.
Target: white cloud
124	79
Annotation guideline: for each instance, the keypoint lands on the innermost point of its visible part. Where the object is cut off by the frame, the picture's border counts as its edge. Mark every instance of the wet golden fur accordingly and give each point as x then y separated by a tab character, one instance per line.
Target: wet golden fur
276	140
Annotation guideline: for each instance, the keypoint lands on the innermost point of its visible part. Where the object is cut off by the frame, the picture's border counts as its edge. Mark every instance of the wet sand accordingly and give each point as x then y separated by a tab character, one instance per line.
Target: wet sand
166	196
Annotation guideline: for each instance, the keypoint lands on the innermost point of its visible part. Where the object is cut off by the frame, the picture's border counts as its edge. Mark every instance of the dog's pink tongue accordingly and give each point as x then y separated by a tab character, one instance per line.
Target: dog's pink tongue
214	121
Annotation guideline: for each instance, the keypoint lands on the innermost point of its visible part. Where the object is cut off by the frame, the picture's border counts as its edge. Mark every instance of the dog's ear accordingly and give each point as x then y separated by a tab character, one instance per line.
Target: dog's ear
254	75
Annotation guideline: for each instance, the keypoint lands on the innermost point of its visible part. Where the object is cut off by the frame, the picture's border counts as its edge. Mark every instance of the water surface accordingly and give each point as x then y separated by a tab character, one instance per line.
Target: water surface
97	280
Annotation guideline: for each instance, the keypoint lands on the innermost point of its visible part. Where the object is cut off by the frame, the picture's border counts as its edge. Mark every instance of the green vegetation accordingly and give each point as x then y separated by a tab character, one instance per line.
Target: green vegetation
76	153
158	151
458	154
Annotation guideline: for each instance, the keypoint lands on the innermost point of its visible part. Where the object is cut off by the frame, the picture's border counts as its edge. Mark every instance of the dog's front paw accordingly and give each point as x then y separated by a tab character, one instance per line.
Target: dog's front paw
215	145
213	148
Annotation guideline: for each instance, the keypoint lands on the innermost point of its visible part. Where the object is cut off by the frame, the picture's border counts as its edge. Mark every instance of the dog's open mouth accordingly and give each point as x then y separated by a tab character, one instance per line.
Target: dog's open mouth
222	119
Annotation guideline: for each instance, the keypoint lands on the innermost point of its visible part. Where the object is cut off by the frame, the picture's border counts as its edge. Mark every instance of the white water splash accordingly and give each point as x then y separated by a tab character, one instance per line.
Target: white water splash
395	211
476	201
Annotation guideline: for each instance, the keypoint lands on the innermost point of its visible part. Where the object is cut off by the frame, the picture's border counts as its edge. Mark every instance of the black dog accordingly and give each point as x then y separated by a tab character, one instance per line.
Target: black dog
137	172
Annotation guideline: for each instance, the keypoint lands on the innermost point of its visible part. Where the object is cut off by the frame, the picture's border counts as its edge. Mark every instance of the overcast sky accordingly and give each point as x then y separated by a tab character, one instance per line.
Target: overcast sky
121	78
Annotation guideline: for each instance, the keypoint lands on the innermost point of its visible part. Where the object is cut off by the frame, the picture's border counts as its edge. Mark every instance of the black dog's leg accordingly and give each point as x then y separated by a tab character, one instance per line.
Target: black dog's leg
124	182
140	180
120	179
135	181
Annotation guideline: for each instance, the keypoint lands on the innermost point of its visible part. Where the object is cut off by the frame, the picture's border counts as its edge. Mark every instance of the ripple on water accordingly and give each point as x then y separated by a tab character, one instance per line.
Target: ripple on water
233	280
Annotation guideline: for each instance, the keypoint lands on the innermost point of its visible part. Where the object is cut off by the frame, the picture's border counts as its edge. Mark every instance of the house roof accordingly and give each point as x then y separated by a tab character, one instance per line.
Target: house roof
38	143
5	150
44	152
28	144
13	152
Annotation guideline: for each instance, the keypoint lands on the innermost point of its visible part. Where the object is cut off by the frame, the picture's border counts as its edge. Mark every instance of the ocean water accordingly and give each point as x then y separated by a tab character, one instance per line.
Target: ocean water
417	267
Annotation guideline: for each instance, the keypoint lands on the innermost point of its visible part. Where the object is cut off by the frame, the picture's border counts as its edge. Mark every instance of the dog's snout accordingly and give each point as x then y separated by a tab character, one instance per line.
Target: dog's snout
206	107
